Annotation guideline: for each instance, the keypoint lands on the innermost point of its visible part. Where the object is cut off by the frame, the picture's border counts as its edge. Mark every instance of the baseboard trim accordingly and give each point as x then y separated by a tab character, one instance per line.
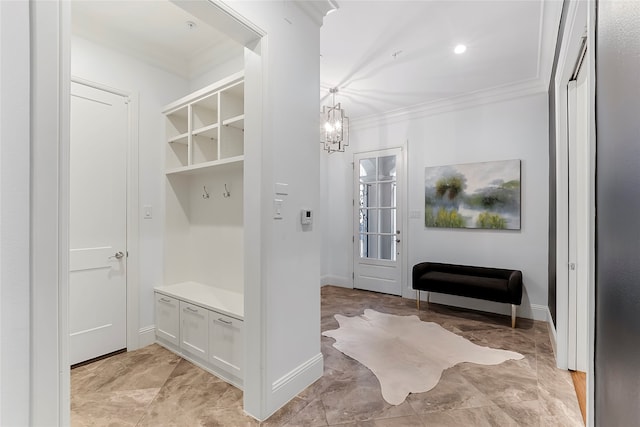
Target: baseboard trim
342	282
540	312
552	333
291	384
531	311
147	336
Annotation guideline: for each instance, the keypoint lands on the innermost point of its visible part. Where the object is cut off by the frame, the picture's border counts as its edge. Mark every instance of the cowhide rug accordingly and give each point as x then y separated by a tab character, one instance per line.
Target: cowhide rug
406	354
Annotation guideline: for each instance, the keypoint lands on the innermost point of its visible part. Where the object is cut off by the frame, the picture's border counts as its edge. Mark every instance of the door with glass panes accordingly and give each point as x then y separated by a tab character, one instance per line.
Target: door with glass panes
377	221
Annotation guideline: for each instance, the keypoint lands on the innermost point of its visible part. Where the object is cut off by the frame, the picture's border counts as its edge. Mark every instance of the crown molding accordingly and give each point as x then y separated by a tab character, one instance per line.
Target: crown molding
317	9
550	16
474	99
549	24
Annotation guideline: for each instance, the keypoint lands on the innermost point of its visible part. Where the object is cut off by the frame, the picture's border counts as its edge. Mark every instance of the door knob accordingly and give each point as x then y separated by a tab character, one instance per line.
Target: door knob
117	255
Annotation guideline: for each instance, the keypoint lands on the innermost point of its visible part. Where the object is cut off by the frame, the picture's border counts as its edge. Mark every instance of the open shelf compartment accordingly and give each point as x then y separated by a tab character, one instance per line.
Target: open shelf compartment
205	112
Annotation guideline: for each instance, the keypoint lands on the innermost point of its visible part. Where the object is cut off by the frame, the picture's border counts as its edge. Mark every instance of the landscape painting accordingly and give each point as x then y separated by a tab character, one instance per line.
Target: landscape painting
474	195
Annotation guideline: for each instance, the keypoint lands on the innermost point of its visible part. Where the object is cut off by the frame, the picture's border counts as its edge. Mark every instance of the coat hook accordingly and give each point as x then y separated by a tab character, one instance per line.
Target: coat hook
205	195
226	192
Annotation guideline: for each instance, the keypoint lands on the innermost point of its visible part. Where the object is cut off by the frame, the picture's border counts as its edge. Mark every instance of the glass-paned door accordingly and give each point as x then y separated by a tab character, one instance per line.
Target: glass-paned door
377	221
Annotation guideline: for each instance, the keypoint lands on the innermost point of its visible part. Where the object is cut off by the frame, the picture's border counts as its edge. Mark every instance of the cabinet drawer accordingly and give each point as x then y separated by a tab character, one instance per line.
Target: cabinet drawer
194	333
226	343
167	318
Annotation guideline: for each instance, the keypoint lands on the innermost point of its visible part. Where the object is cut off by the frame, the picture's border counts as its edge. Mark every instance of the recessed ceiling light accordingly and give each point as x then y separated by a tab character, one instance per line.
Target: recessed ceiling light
460	49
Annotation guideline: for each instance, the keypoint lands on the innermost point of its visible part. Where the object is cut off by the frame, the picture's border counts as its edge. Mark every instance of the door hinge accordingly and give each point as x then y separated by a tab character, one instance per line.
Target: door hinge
127	254
353	239
353	276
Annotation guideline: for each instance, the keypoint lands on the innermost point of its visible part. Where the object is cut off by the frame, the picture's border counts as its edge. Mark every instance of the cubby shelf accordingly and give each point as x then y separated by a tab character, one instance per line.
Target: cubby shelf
236	122
236	161
180	139
210	131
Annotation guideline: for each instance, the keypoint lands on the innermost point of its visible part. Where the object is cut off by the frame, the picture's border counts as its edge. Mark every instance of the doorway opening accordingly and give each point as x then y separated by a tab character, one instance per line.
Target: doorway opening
155	53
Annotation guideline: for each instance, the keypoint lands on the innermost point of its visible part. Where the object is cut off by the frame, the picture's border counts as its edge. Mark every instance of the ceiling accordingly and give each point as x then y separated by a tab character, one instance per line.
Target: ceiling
388	56
155	31
383	56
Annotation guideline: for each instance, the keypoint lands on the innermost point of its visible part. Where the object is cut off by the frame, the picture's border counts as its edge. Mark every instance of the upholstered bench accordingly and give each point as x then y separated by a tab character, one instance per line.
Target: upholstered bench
492	284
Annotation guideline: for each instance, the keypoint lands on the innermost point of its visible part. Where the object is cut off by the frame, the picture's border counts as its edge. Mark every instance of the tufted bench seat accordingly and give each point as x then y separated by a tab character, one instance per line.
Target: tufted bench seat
492	284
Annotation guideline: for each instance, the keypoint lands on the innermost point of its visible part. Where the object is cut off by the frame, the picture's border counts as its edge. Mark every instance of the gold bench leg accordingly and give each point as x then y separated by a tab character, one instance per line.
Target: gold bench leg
513	315
418	298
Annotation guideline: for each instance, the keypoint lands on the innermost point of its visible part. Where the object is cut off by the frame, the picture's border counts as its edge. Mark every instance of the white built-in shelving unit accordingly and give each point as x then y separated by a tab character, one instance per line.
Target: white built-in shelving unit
206	128
200	305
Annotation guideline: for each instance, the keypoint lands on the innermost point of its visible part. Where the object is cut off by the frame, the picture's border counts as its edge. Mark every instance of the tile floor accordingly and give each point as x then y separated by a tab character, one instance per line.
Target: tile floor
154	387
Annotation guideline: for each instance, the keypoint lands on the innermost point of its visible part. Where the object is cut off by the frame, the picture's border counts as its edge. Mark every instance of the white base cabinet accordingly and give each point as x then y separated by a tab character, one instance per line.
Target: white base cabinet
194	335
168	319
209	338
225	343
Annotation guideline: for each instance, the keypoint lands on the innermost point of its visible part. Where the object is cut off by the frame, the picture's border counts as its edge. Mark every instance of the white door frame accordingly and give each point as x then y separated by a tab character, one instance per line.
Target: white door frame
50	80
581	227
579	22
133	236
406	291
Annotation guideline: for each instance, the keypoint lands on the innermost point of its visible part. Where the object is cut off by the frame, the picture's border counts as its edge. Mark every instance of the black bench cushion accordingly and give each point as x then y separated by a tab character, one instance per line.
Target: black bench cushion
494	284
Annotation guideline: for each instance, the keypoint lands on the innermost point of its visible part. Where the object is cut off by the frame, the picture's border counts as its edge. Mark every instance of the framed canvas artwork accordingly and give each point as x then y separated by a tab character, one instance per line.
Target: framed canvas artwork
473	195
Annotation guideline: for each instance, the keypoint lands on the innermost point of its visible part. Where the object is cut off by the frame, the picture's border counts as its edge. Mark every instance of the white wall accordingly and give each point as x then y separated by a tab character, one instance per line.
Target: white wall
156	88
338	255
511	129
14	214
288	271
204	239
287	334
219	72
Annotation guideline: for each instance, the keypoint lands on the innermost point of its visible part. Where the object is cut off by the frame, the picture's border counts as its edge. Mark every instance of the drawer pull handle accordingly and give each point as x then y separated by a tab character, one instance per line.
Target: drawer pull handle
226	322
193	310
165	300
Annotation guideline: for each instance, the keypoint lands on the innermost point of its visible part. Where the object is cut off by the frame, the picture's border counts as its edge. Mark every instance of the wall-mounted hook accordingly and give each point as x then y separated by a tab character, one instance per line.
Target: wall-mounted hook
226	192
205	195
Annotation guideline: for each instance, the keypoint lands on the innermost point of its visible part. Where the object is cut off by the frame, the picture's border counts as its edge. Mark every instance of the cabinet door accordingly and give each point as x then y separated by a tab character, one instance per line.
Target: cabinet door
194	334
167	319
225	343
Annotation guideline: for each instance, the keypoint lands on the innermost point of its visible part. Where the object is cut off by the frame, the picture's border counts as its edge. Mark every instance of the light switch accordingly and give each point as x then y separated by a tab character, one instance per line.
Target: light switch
277	208
281	189
148	212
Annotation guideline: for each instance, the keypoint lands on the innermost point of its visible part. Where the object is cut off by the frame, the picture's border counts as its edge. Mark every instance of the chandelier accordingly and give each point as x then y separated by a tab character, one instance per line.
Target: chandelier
334	132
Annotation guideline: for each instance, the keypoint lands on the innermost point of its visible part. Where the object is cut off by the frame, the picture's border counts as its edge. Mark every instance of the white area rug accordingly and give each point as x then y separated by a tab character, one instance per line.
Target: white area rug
406	354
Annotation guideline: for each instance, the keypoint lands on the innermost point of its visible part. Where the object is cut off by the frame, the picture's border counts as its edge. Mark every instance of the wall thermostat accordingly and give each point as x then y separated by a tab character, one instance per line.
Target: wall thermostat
306	217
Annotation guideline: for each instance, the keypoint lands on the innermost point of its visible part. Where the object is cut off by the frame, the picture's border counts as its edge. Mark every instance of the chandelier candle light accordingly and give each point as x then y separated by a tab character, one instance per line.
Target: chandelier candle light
334	133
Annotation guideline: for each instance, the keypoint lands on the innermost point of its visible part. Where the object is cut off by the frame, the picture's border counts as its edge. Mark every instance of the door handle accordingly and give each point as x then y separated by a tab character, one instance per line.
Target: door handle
117	255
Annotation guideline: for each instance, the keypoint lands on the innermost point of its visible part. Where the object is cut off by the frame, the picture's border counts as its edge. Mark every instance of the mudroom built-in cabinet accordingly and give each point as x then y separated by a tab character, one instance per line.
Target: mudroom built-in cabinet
199	307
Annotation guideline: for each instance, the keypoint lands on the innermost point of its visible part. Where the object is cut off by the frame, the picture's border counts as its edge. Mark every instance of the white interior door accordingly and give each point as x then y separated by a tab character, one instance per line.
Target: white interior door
97	236
579	223
377	221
